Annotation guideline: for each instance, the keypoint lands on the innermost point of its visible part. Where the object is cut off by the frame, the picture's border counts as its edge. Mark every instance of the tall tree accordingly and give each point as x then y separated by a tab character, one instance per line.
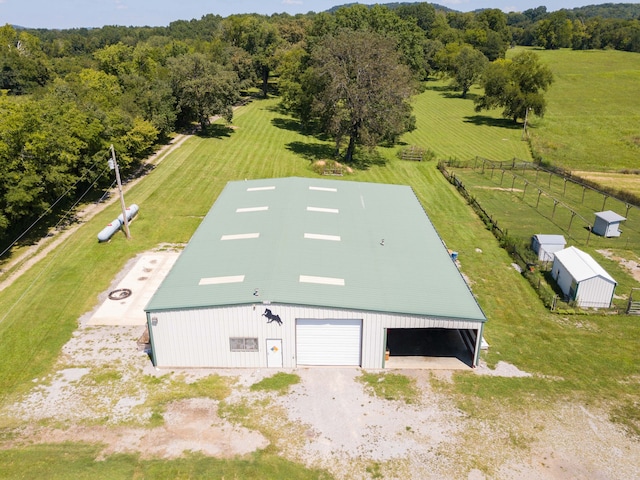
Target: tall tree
409	37
203	88
467	68
23	65
259	37
498	36
554	31
516	85
424	14
361	89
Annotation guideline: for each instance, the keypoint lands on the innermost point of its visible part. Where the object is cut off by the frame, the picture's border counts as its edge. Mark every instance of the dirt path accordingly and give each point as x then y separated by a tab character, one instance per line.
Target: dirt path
190	425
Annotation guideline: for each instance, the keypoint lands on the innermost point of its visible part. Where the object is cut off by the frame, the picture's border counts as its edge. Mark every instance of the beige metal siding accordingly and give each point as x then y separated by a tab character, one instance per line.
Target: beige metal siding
200	338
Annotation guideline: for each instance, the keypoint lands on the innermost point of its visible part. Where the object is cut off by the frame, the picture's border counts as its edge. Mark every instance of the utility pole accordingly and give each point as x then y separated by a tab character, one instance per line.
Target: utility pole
113	164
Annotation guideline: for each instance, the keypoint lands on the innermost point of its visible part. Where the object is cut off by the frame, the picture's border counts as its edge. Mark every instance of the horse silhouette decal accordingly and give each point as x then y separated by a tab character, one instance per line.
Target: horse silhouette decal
271	317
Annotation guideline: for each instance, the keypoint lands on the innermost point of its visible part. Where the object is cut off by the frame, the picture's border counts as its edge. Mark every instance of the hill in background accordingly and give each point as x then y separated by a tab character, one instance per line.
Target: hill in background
623	11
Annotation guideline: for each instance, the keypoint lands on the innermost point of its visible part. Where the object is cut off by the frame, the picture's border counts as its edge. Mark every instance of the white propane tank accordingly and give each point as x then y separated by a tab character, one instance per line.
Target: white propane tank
131	210
107	232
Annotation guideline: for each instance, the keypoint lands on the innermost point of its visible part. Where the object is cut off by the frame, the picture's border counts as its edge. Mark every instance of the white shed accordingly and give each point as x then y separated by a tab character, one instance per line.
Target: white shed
292	272
582	279
546	245
607	223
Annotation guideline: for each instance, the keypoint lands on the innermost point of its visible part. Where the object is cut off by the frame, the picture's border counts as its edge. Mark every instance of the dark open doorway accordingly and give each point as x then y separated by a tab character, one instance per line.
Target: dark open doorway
428	342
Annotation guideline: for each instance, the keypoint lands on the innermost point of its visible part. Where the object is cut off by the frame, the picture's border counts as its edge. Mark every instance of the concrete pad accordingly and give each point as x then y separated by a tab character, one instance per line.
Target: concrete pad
429	363
142	279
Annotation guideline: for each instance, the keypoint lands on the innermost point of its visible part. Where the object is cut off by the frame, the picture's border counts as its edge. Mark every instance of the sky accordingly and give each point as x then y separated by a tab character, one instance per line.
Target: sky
62	14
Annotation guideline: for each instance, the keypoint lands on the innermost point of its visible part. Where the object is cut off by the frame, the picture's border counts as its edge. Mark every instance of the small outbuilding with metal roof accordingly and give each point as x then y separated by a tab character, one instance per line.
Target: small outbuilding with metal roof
546	245
607	224
582	279
296	271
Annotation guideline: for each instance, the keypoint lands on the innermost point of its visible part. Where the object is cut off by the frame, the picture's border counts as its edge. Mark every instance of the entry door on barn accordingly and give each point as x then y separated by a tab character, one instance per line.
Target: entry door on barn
328	342
274	352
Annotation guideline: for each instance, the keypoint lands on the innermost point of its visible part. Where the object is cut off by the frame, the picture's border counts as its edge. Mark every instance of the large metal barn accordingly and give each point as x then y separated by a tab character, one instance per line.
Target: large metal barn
294	271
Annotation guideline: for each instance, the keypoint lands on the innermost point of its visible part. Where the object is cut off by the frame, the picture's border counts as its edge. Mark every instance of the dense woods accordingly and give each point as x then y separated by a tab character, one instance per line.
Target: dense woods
66	95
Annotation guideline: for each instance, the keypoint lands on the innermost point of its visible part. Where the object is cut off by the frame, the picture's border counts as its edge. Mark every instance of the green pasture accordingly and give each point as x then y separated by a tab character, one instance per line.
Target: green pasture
529	201
526	202
39	312
593	110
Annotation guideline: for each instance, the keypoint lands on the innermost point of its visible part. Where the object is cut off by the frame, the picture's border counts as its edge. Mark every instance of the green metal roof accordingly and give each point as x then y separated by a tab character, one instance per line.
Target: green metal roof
326	243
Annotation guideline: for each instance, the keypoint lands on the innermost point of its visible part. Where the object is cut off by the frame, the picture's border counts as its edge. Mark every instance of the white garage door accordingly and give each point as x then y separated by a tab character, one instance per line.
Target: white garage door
328	342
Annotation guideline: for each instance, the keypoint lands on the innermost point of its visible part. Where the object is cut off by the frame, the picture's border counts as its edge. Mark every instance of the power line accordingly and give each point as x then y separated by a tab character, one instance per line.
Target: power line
51	208
54	256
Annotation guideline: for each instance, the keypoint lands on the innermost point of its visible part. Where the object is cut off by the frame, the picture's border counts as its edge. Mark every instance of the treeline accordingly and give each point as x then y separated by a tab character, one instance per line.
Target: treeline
615	26
68	94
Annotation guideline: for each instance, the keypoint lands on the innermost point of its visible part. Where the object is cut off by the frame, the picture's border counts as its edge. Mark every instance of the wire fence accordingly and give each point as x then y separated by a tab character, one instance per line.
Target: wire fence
536	272
565	200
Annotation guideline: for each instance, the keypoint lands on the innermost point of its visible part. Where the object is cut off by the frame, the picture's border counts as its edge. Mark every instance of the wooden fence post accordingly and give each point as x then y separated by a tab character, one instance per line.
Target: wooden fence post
573	214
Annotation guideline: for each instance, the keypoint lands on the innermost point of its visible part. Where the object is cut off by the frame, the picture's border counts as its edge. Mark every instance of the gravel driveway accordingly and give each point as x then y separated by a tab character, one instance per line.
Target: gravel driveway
328	420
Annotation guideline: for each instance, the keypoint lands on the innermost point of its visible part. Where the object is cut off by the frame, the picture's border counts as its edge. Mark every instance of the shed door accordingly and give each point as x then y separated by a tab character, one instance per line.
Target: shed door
274	352
328	342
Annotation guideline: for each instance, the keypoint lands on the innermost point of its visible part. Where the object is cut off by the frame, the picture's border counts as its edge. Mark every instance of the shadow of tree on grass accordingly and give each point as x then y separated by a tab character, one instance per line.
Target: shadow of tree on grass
216	130
493	122
364	159
311	151
447	89
287	124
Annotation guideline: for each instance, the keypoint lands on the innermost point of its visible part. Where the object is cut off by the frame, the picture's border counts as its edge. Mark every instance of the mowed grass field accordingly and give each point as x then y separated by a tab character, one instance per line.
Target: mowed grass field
592	127
450	127
593	116
40	311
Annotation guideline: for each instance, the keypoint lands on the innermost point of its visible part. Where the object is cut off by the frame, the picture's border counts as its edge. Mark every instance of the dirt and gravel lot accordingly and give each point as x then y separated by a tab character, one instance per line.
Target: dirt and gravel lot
100	384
